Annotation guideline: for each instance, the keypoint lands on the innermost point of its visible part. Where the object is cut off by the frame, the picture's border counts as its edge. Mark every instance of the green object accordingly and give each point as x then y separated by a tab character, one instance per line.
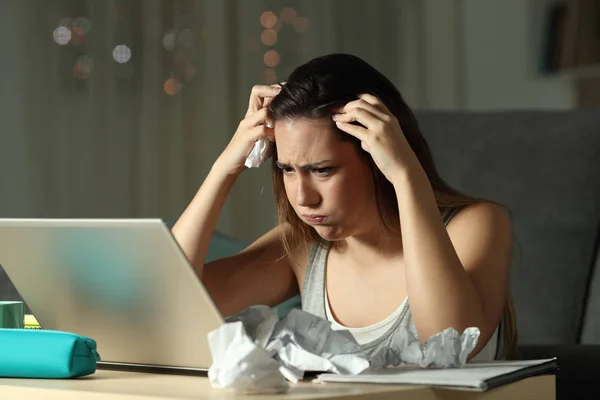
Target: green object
222	246
284	308
38	353
12	314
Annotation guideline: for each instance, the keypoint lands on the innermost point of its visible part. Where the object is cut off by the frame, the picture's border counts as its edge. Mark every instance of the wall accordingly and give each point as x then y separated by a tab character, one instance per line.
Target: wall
15	182
107	151
105	147
502	46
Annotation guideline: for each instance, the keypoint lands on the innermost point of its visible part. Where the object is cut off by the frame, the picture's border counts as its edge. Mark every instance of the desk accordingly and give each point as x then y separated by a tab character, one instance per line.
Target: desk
119	385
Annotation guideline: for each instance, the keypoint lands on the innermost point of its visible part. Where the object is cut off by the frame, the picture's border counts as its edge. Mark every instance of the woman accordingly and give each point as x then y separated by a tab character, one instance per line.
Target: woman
366	222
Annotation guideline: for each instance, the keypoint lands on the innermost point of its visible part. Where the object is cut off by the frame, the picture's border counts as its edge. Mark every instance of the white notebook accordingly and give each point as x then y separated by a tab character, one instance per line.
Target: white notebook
479	376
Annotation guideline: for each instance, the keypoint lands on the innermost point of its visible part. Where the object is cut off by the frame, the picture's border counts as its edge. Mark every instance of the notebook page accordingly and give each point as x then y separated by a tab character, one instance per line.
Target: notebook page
472	375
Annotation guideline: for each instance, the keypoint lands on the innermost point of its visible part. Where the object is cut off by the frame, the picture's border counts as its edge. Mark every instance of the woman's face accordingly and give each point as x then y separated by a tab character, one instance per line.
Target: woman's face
326	181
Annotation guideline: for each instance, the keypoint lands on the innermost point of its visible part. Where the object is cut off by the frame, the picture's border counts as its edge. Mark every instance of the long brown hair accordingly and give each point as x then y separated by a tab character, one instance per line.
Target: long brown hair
310	93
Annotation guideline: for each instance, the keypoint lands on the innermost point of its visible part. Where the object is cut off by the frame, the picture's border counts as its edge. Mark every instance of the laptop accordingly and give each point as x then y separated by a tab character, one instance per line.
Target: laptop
123	282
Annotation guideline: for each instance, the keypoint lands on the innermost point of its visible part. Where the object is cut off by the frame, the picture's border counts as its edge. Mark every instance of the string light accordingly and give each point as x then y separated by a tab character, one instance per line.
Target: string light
271	58
300	24
268	37
172	86
121	53
83	67
62	35
83	24
190	71
268	19
288	14
169	40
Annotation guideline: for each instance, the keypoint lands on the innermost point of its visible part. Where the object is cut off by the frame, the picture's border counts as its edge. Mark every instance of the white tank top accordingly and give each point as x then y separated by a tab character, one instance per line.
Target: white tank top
373	332
376	337
368	333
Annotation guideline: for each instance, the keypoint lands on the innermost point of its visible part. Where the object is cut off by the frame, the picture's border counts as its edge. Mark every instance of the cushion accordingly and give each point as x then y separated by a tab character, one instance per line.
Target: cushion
545	166
578	368
591	322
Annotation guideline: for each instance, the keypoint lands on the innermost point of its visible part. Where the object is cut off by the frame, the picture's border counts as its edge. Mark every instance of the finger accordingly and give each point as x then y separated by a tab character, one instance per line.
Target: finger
260	117
374	101
357	131
258	95
365	117
267	100
261	131
361	104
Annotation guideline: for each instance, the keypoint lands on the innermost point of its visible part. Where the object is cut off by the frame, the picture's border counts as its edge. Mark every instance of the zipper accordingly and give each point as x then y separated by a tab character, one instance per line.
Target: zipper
92	349
85	339
40	330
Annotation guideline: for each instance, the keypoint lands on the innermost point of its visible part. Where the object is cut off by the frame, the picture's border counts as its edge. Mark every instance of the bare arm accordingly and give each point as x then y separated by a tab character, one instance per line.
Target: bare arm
457	277
194	229
260	274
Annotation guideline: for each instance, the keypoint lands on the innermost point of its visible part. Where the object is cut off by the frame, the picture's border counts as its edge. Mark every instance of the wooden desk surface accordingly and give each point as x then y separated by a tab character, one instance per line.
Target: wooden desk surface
118	385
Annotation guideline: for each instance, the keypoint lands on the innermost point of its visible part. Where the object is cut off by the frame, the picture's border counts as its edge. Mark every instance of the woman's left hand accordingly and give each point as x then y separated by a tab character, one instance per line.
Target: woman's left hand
381	135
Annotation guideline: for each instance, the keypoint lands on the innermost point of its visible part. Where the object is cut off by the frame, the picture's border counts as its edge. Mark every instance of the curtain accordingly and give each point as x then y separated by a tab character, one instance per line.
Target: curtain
118	108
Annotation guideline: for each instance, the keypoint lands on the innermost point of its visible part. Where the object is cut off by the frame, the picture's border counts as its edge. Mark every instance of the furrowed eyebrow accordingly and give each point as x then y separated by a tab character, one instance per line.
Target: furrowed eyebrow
281	165
305	166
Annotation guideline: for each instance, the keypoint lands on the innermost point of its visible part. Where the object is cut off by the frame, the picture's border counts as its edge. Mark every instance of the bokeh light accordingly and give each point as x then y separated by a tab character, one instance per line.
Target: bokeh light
271	58
83	67
300	24
180	57
121	53
189	72
288	15
118	12
268	19
83	24
278	26
268	37
172	86
62	35
78	31
77	36
169	40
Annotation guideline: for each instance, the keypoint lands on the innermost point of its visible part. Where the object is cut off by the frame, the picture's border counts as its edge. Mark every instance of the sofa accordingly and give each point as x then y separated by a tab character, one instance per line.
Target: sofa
545	166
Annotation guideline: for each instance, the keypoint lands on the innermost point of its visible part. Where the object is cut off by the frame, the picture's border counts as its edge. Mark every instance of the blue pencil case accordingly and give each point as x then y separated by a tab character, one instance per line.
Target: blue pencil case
38	353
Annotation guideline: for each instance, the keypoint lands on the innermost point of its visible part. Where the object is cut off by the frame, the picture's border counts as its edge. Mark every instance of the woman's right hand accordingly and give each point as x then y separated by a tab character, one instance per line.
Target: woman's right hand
255	125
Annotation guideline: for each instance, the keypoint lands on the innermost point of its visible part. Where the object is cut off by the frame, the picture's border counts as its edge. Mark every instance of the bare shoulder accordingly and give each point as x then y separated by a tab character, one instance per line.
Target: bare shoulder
482	237
485	218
